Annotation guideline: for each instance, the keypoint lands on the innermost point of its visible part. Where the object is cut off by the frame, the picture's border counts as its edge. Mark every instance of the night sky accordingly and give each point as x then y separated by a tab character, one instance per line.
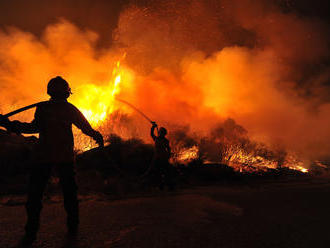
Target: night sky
102	15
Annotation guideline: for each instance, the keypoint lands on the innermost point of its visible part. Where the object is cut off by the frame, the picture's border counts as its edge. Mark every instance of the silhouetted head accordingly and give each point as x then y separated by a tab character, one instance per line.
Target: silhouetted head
162	132
58	88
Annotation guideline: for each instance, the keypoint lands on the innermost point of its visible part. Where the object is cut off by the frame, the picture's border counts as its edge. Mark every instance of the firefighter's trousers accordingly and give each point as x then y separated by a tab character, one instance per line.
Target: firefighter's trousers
39	177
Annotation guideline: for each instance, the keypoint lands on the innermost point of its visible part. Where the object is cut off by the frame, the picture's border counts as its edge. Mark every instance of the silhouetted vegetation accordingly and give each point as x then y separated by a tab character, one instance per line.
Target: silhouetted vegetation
119	168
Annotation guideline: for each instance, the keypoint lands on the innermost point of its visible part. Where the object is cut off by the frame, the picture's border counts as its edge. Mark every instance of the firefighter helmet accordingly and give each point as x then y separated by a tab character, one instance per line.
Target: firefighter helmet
58	88
162	131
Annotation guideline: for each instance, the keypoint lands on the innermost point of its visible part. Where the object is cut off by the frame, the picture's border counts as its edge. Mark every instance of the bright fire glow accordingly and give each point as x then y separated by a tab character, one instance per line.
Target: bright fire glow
242	161
188	154
240	158
97	102
299	168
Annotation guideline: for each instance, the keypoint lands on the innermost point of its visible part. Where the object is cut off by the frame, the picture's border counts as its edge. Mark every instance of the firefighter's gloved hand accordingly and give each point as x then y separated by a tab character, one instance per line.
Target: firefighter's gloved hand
11	126
154	124
99	139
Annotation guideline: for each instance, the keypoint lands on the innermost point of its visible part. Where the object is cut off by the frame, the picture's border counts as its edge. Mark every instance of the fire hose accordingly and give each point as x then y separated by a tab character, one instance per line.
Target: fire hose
120	100
136	109
17	111
22	109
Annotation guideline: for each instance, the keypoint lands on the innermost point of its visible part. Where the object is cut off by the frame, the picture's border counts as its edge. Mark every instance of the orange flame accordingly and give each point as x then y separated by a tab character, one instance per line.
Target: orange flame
187	154
97	102
241	158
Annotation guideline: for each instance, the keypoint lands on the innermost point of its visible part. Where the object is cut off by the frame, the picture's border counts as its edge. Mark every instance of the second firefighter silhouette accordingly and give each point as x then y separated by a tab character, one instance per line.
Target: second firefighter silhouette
53	121
160	167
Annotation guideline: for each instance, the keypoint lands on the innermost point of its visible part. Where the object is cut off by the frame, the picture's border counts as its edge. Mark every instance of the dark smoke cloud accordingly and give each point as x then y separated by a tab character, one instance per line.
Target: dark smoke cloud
250	60
35	15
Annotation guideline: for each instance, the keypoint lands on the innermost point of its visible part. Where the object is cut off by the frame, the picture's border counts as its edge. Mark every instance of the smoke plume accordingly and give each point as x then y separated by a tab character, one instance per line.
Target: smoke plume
192	63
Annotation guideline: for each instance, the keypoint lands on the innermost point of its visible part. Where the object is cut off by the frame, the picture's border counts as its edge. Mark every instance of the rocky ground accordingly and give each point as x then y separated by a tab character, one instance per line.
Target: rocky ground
273	214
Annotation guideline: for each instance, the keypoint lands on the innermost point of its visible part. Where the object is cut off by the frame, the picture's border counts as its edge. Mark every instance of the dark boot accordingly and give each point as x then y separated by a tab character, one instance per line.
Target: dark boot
71	205
38	180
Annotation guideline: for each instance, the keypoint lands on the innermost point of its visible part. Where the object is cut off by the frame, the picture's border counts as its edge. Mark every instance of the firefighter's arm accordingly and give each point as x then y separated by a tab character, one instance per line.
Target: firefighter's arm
152	131
19	127
82	123
23	127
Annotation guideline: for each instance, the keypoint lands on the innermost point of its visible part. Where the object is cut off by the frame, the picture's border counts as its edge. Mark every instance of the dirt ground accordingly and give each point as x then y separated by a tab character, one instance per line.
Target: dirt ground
277	214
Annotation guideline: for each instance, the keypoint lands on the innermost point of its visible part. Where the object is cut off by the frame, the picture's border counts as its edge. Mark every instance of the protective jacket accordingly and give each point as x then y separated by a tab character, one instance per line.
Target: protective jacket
162	147
53	121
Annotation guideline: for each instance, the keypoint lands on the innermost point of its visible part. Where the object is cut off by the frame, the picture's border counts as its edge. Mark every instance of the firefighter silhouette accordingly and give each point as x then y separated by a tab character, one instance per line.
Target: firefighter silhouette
161	168
53	121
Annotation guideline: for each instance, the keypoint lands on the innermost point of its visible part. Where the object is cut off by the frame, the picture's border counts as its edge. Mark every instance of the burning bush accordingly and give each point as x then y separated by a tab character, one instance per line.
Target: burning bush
229	143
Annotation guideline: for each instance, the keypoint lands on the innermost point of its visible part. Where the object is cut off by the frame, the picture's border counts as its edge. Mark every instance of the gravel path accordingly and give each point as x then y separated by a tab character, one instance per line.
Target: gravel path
274	215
